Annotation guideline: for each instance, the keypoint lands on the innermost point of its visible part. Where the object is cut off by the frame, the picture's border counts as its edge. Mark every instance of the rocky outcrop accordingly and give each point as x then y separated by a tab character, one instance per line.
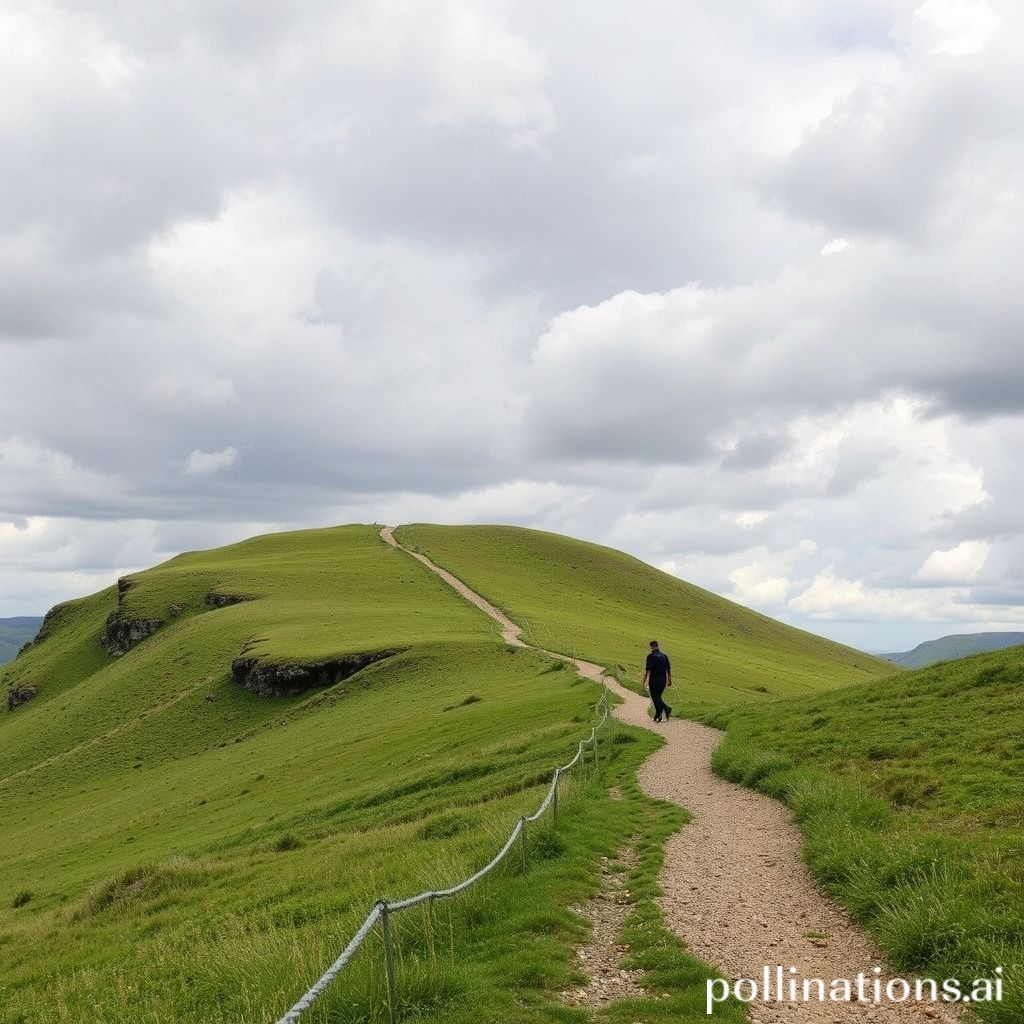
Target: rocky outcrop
267	679
121	634
20	694
49	621
215	600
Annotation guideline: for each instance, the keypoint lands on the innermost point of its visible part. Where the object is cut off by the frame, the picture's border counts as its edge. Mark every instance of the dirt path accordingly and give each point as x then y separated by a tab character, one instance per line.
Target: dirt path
736	886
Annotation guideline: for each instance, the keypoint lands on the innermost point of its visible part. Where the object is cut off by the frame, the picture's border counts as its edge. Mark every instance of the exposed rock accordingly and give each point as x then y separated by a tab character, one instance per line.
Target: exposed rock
49	621
121	634
281	680
215	600
20	694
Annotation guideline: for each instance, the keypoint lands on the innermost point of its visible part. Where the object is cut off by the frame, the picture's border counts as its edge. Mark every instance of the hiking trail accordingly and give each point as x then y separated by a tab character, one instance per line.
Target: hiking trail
736	888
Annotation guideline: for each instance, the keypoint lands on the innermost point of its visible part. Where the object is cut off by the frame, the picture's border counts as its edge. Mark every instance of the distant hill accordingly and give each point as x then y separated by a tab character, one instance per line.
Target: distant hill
15	633
960	645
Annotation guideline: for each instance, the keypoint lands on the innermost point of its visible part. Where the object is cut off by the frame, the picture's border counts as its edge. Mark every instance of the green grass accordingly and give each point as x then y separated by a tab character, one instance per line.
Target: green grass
910	798
580	598
174	849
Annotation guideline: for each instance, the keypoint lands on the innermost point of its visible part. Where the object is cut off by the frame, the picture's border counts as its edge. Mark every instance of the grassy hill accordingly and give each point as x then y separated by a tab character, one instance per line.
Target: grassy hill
174	848
959	645
575	597
178	847
910	797
15	633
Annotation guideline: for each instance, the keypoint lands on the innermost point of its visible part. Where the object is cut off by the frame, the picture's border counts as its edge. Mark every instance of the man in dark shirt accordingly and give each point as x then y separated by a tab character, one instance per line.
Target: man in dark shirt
658	675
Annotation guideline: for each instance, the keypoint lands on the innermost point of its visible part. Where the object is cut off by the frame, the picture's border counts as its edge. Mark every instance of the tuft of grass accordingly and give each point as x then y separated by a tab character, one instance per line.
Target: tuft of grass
447	825
22	898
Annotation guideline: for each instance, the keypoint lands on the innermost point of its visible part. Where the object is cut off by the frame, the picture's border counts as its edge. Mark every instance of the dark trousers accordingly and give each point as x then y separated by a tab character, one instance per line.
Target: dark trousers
660	707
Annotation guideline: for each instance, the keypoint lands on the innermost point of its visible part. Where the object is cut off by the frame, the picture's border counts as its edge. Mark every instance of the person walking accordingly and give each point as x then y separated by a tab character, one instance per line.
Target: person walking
658	676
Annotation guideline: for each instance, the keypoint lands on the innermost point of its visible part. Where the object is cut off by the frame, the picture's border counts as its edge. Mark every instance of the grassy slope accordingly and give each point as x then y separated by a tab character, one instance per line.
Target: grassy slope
176	850
576	597
910	796
14	633
157	755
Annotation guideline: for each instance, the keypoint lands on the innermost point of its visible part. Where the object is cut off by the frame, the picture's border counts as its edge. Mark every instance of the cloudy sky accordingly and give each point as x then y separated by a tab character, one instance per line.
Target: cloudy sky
734	287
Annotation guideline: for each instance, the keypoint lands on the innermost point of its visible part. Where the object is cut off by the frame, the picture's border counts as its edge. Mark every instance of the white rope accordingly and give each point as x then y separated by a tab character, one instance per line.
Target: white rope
328	976
314	993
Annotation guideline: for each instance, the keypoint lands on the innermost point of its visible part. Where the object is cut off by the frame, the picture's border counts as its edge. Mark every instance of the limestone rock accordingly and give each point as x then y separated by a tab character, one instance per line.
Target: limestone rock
20	694
215	600
121	634
267	679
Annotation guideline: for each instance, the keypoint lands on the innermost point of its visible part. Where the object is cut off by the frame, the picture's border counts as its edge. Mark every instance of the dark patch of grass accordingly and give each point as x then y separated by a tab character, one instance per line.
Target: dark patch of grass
446	826
144	883
22	898
555	666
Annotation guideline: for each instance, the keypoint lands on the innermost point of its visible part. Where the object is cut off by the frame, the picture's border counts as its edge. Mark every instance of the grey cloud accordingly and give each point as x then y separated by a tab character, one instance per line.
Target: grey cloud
386	253
858	461
992	596
756	450
898	158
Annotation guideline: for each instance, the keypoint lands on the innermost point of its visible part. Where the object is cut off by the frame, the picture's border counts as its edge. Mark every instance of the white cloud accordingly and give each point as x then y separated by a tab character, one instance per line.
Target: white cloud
748	520
955	28
961	564
200	463
837	245
751	587
491	262
831	596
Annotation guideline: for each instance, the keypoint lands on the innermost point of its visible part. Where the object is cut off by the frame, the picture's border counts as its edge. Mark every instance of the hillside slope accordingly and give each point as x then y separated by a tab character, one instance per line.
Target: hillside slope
164	816
160	822
910	796
958	645
576	597
15	633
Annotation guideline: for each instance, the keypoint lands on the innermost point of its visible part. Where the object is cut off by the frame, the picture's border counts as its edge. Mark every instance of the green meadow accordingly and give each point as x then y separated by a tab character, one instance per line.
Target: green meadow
176	849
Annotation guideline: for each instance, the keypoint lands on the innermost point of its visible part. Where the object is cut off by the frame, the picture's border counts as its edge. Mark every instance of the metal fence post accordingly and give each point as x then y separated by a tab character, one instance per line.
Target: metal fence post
522	843
389	962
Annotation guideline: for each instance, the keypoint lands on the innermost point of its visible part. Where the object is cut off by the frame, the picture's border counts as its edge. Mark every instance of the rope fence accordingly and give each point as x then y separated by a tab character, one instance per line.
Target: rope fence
383	910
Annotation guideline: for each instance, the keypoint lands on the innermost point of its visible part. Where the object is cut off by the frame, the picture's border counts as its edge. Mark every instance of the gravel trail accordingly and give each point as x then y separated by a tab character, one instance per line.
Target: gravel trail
736	887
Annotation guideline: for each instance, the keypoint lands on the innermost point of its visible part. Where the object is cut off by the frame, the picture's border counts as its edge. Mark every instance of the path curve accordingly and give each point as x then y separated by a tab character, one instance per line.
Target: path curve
736	888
